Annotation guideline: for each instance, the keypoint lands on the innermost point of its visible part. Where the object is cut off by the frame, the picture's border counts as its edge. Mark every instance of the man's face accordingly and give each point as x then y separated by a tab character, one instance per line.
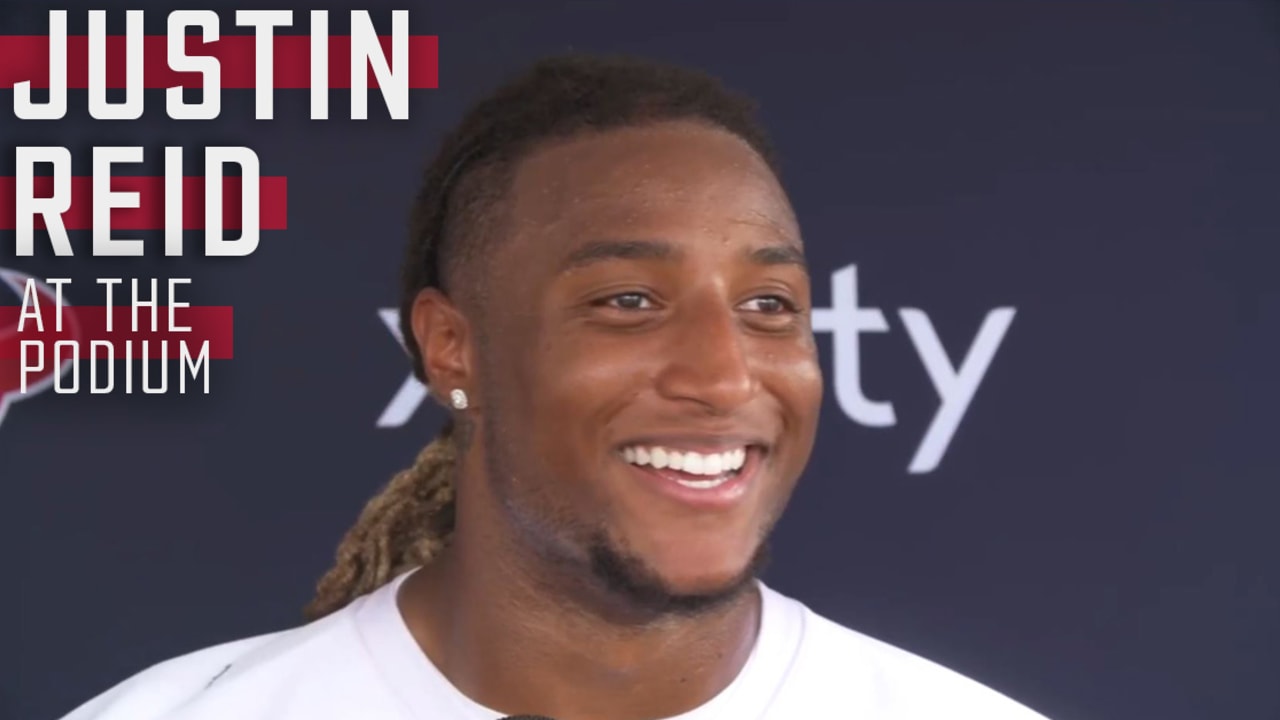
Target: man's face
650	384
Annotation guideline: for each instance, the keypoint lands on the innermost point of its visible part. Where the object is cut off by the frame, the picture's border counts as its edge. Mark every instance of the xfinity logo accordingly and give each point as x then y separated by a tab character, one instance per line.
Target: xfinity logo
411	393
846	321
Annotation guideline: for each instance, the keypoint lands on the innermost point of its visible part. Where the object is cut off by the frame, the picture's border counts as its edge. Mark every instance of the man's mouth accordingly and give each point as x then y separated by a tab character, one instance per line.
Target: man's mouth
689	468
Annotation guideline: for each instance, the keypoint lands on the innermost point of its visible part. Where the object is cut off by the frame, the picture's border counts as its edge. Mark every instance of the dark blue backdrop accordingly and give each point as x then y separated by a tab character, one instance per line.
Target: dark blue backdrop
1099	539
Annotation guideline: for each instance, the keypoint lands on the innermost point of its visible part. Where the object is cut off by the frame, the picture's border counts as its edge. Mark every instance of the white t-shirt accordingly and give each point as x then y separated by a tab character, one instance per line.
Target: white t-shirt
361	663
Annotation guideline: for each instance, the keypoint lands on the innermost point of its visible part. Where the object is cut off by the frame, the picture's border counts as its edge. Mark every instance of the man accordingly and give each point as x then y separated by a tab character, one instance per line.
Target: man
606	284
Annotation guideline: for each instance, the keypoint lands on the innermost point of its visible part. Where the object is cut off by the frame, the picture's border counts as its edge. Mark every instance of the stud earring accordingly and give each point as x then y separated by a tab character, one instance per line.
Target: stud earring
458	398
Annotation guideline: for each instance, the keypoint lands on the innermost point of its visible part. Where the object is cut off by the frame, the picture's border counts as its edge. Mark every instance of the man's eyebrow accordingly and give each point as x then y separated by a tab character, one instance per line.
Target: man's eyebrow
779	255
601	250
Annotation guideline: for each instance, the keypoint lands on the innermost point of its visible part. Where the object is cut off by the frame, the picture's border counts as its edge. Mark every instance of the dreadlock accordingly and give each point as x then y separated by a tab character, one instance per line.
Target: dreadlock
411	519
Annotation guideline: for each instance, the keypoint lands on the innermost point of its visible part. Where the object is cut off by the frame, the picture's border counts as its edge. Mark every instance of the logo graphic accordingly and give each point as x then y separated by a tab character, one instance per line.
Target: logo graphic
411	393
955	386
10	379
845	320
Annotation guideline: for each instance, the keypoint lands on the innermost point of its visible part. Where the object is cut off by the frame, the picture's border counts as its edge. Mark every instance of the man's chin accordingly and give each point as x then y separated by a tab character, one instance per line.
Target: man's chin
646	590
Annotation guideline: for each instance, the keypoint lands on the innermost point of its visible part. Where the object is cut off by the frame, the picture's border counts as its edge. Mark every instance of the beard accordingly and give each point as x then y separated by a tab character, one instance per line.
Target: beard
628	578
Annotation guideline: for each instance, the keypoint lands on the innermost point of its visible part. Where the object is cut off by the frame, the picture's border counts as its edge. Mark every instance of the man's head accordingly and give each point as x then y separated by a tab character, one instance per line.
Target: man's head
604	260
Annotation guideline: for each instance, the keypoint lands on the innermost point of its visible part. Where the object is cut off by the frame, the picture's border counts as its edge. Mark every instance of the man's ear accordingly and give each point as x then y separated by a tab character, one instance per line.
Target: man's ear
443	336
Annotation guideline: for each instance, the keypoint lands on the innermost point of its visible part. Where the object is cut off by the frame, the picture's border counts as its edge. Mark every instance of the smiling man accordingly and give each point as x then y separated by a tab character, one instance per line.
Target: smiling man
606	284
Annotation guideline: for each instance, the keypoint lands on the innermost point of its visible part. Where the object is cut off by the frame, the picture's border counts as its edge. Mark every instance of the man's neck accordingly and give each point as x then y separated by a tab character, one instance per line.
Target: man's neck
512	638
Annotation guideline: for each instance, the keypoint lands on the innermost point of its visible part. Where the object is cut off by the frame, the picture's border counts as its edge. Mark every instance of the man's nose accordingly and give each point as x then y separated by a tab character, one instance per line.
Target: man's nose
707	359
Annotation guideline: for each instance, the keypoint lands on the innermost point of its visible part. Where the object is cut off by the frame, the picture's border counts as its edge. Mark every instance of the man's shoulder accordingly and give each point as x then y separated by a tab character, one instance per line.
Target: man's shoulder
837	668
219	679
156	690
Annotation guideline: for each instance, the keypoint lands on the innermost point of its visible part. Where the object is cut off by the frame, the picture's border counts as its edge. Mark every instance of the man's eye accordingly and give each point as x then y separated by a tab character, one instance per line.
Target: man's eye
629	301
770	305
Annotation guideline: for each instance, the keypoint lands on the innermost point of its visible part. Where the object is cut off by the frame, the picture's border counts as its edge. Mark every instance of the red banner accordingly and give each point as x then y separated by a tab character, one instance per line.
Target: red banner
149	215
85	324
26	58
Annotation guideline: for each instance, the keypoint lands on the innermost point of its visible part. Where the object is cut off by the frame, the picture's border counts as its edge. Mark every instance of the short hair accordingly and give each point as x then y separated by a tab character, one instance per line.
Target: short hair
560	97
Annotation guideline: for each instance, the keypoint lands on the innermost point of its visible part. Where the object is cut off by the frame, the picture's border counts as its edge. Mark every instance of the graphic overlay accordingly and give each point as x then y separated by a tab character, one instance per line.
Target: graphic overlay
211	201
42	336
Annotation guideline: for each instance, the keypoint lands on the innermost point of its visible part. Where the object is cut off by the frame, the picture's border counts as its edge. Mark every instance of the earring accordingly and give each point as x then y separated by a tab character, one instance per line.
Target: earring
458	398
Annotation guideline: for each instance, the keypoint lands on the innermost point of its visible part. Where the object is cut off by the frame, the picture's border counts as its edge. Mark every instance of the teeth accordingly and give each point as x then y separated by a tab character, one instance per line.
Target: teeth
712	465
705	484
659	458
692	463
